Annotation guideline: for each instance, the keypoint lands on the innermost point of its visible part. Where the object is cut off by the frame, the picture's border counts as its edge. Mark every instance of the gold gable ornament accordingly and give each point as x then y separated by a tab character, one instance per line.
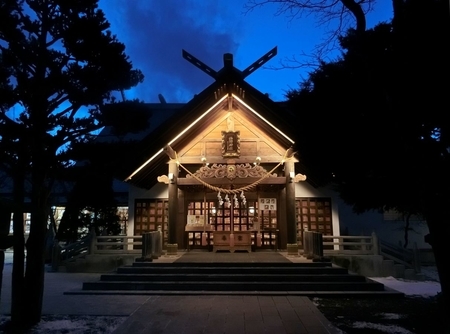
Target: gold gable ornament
231	144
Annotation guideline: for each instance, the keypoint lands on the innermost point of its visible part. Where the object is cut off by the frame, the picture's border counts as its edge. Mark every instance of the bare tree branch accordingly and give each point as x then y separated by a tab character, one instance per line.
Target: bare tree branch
337	16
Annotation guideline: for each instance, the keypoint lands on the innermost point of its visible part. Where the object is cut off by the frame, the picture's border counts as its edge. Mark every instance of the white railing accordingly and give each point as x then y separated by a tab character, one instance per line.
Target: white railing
116	244
371	245
332	245
122	244
98	245
352	245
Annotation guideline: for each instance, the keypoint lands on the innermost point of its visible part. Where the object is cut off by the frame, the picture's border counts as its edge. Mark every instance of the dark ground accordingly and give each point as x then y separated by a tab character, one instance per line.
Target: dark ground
375	315
372	315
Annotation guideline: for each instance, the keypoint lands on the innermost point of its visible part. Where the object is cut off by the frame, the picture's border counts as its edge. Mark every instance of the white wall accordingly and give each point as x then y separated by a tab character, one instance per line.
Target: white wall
386	230
346	222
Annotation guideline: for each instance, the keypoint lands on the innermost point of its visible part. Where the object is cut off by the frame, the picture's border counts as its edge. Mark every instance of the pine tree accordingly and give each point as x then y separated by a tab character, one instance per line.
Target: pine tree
59	64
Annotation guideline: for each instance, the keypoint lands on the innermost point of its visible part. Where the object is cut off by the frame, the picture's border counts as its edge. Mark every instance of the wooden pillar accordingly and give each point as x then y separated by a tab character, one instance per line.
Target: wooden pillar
172	245
291	224
181	220
282	234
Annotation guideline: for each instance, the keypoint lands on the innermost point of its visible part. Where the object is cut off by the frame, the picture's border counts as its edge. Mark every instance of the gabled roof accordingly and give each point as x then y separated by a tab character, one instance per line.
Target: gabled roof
230	87
158	112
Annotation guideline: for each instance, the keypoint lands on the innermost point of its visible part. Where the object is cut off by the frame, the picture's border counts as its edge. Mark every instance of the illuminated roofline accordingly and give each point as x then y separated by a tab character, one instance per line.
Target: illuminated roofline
265	120
176	137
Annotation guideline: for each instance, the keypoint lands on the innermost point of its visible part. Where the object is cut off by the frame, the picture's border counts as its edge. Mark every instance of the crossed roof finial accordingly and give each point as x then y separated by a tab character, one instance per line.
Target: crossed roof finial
228	62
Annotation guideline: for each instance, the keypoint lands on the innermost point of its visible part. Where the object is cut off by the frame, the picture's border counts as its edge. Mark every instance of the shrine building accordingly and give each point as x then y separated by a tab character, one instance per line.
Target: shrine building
221	172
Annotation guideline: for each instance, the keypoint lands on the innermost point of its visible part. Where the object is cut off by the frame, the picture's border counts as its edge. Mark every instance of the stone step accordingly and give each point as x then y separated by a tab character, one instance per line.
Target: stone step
232	270
303	278
272	277
233	286
144	264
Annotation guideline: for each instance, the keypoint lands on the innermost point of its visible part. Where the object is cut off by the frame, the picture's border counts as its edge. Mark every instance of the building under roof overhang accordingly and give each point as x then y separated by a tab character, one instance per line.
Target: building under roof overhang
221	172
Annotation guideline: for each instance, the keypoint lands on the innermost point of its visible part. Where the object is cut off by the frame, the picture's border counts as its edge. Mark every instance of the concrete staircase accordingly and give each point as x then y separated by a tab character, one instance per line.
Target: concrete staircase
313	278
398	270
399	262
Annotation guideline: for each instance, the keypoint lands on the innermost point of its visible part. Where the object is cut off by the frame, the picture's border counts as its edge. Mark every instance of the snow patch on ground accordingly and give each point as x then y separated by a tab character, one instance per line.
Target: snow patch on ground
410	288
430	272
391	316
391	329
55	324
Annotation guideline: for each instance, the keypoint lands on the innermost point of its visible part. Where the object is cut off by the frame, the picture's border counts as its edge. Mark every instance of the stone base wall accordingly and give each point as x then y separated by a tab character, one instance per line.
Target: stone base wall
98	263
366	265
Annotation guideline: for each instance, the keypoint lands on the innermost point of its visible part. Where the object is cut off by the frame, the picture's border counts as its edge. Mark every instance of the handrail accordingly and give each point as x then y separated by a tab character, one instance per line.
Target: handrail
357	245
115	244
75	249
407	257
371	245
351	245
93	244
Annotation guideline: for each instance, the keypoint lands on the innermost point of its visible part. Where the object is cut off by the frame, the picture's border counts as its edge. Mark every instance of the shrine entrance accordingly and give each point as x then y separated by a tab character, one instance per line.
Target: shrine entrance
230	172
235	223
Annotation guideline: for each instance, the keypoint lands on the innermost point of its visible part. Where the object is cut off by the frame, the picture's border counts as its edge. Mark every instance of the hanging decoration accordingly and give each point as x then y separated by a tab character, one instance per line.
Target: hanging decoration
243	199
227	201
237	190
219	199
233	171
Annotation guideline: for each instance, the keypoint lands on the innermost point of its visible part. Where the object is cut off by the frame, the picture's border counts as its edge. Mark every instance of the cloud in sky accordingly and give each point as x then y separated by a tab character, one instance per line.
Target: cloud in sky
155	32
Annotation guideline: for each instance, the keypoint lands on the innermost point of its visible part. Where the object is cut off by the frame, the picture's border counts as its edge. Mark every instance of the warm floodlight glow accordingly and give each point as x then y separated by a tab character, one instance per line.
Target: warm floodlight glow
176	137
197	120
143	165
205	162
291	176
265	120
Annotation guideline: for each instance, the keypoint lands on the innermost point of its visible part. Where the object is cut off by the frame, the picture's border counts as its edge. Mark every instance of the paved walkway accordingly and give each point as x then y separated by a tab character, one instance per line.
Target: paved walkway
179	314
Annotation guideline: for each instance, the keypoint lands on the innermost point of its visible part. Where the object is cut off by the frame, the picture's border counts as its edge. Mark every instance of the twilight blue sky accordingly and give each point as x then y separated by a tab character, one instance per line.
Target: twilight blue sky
155	32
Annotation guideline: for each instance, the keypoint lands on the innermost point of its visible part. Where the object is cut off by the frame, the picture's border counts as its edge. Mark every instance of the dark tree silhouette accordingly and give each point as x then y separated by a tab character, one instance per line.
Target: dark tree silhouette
59	64
336	15
374	122
99	162
91	204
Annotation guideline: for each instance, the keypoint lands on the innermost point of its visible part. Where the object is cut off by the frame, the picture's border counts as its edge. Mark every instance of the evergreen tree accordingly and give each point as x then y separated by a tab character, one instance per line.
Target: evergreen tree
374	122
59	64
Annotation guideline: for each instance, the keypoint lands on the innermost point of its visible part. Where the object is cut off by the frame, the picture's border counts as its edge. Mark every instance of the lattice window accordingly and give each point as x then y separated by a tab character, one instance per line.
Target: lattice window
151	215
313	214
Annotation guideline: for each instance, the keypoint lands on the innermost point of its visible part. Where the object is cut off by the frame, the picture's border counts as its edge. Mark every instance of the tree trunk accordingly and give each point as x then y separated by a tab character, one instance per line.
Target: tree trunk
2	265
34	275
406	230
53	222
35	269
439	231
358	13
17	284
41	157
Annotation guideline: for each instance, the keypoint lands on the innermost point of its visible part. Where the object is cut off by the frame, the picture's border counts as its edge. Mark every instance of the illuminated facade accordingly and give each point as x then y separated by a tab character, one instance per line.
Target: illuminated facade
222	173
